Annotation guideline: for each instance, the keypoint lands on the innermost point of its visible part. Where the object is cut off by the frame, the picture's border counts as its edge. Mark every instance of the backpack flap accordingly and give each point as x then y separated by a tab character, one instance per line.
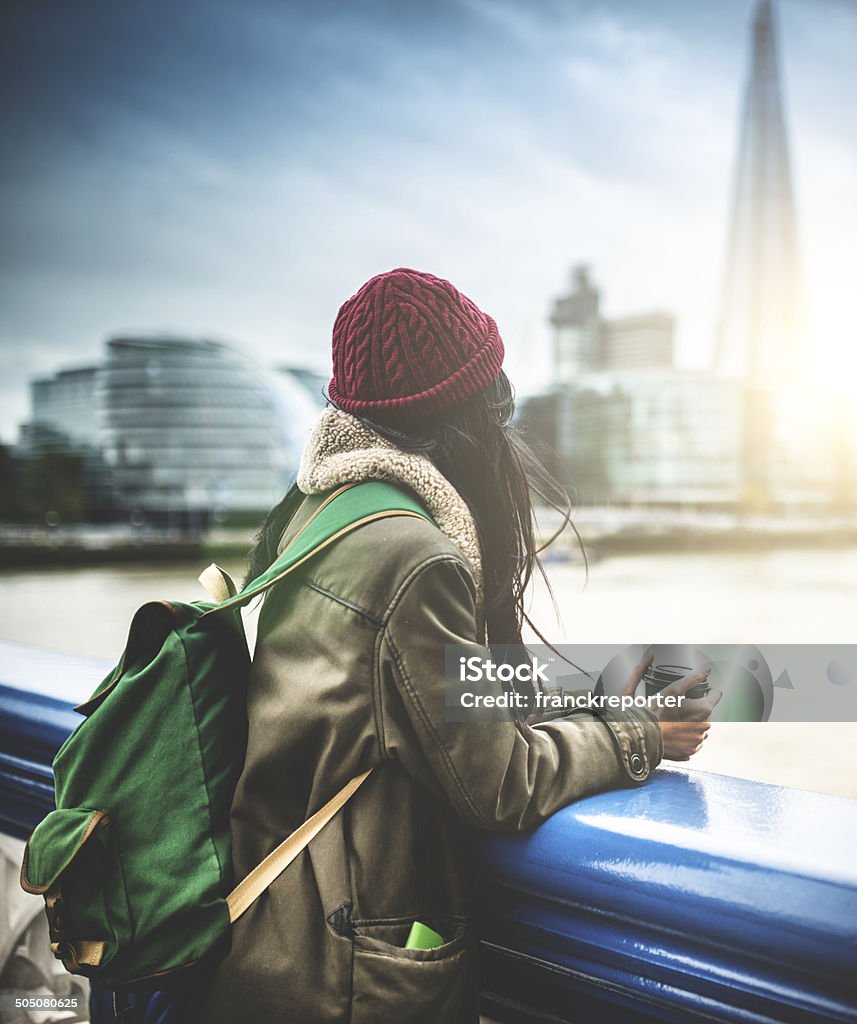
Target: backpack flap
152	624
70	861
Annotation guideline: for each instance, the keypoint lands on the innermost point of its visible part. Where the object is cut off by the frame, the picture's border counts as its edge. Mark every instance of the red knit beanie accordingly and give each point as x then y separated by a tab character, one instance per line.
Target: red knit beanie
409	344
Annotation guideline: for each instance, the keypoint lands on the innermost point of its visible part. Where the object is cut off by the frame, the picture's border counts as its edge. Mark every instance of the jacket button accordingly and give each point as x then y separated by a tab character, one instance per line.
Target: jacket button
636	764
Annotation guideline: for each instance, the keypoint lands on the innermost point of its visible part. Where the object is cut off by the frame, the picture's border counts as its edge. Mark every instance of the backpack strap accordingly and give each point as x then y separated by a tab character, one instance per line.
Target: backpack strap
268	870
343	510
217	581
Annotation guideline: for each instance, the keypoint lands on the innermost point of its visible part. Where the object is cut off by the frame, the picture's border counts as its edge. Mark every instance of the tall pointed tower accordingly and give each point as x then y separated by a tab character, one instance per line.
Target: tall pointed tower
759	328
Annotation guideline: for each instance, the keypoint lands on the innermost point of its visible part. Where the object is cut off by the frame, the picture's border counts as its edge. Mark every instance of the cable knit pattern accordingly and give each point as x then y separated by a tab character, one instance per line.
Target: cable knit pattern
410	343
342	450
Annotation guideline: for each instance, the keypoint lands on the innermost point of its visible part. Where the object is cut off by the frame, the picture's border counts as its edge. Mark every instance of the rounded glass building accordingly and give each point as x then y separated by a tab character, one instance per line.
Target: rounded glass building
192	427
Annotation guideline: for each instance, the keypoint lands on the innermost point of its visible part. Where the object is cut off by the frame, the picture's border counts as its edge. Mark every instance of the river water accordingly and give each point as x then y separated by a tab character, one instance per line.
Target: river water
782	596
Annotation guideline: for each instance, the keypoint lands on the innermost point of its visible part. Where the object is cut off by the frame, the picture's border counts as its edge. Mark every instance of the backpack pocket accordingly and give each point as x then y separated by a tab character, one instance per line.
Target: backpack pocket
410	986
71	859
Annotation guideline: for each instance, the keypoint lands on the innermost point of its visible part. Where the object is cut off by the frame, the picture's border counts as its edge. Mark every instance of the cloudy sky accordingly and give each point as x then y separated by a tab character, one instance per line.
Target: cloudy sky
237	169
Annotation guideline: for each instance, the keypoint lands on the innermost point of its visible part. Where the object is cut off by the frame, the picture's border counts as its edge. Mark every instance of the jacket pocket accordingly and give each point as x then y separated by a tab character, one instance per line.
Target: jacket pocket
71	859
409	986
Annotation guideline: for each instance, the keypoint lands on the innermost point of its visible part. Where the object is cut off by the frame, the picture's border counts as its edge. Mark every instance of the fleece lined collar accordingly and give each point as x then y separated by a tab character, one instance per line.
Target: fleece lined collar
343	450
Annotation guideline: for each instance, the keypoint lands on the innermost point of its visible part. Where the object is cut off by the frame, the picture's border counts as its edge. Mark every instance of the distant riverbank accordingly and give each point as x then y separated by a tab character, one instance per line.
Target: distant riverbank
645	542
606	532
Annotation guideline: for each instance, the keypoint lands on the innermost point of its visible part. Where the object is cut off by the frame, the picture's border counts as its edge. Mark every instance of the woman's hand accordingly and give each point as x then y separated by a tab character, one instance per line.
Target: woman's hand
683	739
684	727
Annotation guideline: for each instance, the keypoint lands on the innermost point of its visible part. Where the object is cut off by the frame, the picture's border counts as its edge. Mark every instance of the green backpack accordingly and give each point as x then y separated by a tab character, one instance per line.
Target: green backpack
135	862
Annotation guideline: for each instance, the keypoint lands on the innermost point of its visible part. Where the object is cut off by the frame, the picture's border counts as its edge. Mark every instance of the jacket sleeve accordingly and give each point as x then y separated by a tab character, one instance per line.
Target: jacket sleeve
500	775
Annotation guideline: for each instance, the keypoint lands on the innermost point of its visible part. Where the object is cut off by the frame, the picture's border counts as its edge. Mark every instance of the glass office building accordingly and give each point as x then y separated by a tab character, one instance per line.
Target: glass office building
64	410
186	427
193	425
663	437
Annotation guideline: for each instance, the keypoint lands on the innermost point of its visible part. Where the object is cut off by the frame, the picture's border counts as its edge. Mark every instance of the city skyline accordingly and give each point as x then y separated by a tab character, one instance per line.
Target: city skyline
146	192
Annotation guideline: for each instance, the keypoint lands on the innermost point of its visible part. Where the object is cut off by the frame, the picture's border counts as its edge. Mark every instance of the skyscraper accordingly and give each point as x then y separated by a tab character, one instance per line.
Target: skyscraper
758	335
576	319
587	342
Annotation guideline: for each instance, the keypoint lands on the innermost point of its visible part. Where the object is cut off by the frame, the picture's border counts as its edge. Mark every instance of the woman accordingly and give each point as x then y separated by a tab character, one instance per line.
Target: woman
348	675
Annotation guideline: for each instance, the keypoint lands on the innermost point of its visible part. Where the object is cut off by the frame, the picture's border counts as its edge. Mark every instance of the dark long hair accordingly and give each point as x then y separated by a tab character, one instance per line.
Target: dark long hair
482	454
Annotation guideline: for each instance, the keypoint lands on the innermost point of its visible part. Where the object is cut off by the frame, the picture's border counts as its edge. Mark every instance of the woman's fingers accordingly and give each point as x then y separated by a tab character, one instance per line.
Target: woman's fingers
712	699
700	710
680	688
694	730
683	739
692	710
630	687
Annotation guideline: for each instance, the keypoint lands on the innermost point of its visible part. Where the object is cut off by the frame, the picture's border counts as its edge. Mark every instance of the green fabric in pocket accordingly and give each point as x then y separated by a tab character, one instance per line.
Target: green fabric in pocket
410	986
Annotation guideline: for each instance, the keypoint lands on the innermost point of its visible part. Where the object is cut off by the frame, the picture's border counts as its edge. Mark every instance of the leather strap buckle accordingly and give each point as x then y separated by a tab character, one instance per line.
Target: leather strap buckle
78	955
56	918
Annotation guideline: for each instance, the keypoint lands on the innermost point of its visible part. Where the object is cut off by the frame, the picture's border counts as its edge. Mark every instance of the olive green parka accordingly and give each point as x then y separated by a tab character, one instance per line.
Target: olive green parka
348	674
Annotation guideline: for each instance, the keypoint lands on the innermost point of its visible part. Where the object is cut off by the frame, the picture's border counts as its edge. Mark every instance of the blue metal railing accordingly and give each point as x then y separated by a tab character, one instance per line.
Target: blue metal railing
695	897
32	727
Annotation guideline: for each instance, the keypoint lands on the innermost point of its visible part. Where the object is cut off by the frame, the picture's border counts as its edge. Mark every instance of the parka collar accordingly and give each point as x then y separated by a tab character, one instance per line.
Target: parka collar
342	450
